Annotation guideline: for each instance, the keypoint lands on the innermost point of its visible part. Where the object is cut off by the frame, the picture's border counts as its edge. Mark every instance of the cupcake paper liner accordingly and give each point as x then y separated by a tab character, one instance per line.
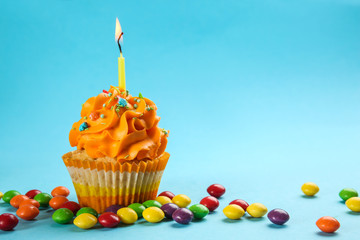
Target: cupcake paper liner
100	184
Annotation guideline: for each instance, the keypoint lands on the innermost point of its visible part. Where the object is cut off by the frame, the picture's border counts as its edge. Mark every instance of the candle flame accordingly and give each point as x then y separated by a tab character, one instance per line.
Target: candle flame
118	30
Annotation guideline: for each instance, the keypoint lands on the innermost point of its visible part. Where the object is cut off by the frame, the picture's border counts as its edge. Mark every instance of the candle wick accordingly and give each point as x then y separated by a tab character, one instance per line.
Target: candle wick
118	41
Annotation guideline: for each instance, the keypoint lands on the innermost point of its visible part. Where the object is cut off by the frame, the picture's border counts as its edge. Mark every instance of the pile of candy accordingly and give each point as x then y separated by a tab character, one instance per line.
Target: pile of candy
166	205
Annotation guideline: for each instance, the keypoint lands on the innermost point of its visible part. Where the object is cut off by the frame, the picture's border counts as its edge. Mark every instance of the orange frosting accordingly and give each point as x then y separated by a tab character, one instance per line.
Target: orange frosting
126	133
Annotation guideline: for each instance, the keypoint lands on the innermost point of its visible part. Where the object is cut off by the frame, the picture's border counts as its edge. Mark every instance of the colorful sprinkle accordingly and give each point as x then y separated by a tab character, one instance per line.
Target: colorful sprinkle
135	105
104	91
140	96
85	117
112	107
122	102
83	126
110	94
127	92
102	116
104	105
126	156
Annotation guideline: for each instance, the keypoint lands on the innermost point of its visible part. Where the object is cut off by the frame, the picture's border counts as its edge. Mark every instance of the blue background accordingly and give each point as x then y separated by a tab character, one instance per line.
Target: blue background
260	96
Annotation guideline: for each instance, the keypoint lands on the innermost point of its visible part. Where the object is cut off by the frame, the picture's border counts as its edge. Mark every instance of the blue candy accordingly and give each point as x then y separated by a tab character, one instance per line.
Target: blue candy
122	102
83	126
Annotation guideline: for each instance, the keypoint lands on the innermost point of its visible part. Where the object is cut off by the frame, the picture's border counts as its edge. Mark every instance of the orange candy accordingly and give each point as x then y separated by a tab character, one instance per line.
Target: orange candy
57	201
27	212
328	224
30	202
15	201
60	191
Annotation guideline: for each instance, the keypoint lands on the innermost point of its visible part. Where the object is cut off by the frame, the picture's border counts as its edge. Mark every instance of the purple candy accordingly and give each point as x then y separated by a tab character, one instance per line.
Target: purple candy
183	216
113	208
278	216
169	209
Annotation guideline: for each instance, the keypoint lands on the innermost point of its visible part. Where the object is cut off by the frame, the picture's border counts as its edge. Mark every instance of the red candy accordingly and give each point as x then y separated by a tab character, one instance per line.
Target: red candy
210	202
167	194
94	115
216	190
8	221
32	193
109	219
72	206
243	204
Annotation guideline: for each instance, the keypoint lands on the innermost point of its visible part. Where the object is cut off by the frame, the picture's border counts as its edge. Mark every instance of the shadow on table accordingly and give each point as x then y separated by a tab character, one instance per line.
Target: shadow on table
270	225
323	234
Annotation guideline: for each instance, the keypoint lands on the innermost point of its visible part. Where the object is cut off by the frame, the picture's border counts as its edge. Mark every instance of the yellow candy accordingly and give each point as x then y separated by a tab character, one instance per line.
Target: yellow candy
153	214
353	204
256	210
127	215
233	211
163	200
85	221
1	195
181	200
309	188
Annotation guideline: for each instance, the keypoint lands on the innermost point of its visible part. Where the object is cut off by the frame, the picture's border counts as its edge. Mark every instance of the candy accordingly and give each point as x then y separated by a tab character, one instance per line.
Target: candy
30	202
43	199
73	206
87	210
163	200
27	212
199	211
328	224
167	194
60	191
127	215
114	208
152	203
210	202
15	201
183	216
243	204
309	188
347	193
181	200
169	209
138	208
63	216
109	219
153	214
32	193
8	221
353	204
257	210
9	195
122	102
216	190
278	216
83	126
85	221
57	202
233	211
1	195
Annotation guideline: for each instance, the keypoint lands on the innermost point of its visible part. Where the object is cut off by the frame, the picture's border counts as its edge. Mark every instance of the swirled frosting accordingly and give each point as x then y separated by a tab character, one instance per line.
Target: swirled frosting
120	126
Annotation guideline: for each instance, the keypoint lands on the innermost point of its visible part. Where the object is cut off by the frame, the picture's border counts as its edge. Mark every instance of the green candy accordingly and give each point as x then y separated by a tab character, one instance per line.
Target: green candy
9	195
152	203
43	199
138	208
199	211
347	193
87	210
63	216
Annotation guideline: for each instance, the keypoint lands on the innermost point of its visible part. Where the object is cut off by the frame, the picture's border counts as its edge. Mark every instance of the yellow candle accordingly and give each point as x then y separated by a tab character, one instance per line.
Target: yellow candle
121	59
122	82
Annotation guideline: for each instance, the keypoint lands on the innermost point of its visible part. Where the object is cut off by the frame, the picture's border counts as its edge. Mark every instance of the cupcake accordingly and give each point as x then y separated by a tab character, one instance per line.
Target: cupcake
120	155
